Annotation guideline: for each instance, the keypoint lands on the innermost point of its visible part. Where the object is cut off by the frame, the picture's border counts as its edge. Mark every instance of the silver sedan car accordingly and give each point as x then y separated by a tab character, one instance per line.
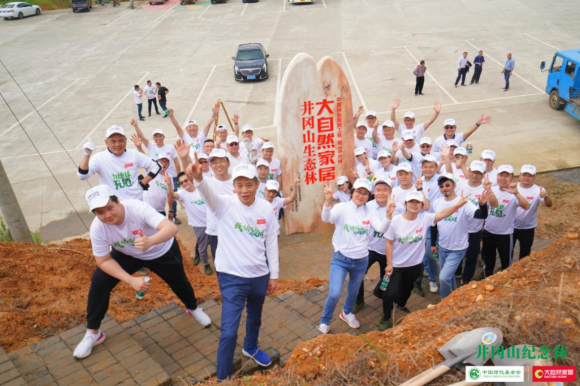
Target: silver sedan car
19	10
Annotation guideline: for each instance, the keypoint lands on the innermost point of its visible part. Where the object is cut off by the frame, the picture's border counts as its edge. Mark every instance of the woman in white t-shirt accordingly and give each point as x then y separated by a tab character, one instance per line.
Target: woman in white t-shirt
344	187
406	238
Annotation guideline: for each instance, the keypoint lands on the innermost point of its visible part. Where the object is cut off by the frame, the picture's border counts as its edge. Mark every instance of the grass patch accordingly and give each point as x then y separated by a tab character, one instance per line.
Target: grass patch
46	5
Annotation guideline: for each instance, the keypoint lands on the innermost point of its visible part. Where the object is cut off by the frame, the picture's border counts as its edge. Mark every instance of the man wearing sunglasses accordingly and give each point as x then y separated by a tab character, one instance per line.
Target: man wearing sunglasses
234	155
416	158
450	132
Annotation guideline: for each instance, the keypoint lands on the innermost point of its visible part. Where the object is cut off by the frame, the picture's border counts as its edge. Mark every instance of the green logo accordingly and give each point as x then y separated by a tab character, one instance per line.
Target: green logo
474	374
357	230
252	231
122	243
122	180
497	212
198	202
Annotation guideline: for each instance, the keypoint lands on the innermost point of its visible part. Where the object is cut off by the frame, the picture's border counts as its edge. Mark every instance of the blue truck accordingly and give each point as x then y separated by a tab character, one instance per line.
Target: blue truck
563	83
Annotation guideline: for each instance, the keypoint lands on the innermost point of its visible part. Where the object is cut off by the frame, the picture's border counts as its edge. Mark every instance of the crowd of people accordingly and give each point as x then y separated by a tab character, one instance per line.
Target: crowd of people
414	205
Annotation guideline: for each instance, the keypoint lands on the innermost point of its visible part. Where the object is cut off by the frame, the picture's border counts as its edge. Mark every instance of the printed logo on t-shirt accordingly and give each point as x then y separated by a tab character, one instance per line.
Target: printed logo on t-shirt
357	230
161	185
505	201
252	231
497	212
127	166
530	198
198	202
377	234
366	222
122	243
261	221
409	239
122	180
136	232
419	230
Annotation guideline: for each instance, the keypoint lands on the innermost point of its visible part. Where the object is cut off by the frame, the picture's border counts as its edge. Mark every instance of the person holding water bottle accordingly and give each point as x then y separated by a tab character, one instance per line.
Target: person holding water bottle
127	236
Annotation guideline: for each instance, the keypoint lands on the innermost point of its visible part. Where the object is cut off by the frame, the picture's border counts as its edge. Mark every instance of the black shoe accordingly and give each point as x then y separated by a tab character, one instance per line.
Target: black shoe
418	290
158	113
149	115
404	309
479	277
385	324
196	260
141	119
357	307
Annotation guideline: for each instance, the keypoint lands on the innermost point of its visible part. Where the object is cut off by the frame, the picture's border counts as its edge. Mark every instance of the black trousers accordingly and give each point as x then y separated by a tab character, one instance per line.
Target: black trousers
461	75
493	244
213	241
468	270
163	104
374	257
400	288
152	101
169	267
526	239
476	75
419	82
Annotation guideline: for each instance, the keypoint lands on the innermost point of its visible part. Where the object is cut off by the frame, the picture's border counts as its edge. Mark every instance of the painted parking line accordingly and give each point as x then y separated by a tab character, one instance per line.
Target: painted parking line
501	65
244	10
432	77
200	94
360	97
80	144
204	11
38	108
549	45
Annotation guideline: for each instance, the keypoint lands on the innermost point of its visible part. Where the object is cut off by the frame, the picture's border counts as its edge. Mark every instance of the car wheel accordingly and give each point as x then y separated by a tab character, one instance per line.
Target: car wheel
555	101
20	15
37	11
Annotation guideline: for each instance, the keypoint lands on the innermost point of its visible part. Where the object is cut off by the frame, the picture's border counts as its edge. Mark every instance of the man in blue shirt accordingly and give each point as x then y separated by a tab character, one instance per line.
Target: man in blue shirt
507	71
478	61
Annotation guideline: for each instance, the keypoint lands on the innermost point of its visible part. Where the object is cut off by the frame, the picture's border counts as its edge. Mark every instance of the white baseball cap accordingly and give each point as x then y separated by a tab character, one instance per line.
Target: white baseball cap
232	138
414	195
409	114
263	162
371	113
407	135
477	166
247	128
202	155
218	153
384	179
362	183
267	145
488	154
452	143
460	151
98	196
383	153
362	123
446	176
272	185
429	158
341	180
220	127
244	170
505	168
115	130
449	122
359	151
158	131
405	166
163	155
191	122
528	169
389	123
425	140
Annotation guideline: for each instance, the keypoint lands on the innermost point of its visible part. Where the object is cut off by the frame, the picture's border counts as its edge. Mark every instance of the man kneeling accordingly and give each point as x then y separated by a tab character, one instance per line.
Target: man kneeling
139	237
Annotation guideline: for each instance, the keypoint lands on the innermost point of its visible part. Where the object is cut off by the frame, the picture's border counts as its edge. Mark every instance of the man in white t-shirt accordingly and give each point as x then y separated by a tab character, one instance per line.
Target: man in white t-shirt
384	167
526	220
262	171
275	172
156	195
117	167
409	120
361	140
126	236
499	226
409	144
366	167
251	145
452	232
247	261
151	93
138	95
273	197
405	177
221	137
191	135
234	155
416	158
488	157
386	141
450	133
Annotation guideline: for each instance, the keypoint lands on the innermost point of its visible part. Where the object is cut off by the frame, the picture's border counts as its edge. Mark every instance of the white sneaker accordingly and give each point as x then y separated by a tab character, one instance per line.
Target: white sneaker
433	287
324	328
350	319
201	317
90	340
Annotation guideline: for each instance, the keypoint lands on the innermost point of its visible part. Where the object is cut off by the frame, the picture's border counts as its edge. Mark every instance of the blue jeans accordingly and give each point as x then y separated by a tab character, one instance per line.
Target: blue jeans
461	75
449	262
238	292
175	186
339	267
139	109
429	262
506	75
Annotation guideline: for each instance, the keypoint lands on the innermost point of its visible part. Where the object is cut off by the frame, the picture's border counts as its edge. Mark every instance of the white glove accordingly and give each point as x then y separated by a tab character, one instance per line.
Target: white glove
88	147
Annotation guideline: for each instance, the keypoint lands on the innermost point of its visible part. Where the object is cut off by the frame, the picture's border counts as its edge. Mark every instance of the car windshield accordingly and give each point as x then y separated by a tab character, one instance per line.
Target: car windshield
250	55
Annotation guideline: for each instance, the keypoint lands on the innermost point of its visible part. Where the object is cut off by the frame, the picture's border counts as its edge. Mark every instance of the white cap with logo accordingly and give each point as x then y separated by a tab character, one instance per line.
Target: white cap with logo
115	130
488	154
425	140
267	145
414	195
202	156
359	151
362	123
460	151
407	135
505	168
405	167
247	127
371	113
409	114
528	169
429	158
384	179
341	180
220	127
449	122
272	185
191	122
218	153
158	131
98	196
232	138
445	176
452	143
244	170
262	162
163	155
362	183
389	123
383	154
477	166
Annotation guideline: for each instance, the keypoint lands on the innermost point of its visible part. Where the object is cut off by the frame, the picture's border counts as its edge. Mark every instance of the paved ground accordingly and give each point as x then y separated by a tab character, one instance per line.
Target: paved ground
77	70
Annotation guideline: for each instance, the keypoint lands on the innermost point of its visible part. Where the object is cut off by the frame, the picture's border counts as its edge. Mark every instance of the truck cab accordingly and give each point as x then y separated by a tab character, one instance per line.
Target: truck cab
563	83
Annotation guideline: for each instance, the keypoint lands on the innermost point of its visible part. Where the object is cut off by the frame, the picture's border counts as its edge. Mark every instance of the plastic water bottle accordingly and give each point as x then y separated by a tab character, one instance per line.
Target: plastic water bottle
435	255
469	148
139	295
385	283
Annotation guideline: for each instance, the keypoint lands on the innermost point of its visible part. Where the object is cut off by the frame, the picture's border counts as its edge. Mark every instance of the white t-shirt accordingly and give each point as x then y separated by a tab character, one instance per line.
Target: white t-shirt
374	166
401	157
248	235
242	159
409	238
527	219
120	173
439	141
208	174
194	207
500	220
377	241
431	190
275	169
220	188
195	144
138	98
367	144
277	204
452	230
341	196
492	176
139	216
261	192
156	195
401	193
353	229
418	159
474	225
150	91
386	144
168	150
417	130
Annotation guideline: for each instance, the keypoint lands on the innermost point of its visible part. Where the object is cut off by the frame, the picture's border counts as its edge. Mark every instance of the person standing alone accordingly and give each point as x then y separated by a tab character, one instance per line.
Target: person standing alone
419	73
462	68
162	92
478	61
151	92
508	70
138	94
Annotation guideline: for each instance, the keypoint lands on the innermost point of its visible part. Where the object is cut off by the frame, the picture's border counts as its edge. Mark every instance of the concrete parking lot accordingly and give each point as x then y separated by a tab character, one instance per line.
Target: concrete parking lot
67	77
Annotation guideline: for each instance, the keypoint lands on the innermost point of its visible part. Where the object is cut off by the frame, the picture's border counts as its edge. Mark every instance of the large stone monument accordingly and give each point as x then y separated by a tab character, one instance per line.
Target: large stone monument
315	135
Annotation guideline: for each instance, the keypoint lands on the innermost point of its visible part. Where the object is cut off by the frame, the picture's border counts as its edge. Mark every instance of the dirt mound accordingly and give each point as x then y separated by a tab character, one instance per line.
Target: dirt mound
564	214
43	290
536	301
